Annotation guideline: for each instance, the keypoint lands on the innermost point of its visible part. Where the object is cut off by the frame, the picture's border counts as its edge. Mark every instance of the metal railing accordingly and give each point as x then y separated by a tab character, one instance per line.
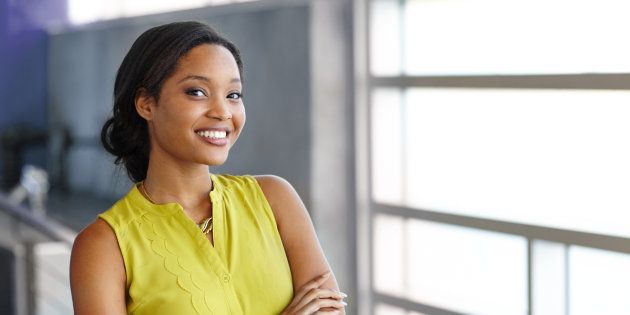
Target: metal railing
40	247
44	225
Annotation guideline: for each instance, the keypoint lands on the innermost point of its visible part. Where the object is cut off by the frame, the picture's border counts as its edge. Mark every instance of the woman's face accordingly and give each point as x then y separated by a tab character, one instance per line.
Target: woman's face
200	113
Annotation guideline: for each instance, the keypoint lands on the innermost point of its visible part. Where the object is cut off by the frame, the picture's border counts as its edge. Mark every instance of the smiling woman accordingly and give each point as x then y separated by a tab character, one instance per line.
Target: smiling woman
184	241
199	113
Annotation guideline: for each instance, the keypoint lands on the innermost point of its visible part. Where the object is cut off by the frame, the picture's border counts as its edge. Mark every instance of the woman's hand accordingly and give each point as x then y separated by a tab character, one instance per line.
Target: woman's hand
311	299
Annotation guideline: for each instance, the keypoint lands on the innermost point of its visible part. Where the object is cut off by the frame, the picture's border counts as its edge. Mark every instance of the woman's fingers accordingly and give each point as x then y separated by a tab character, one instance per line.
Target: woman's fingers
316	294
315	305
311	299
315	283
332	294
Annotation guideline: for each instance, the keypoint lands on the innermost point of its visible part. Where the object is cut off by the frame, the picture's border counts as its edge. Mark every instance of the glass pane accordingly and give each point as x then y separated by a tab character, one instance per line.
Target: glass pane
384	309
80	11
385	46
548	278
516	36
466	270
554	158
388	240
386	145
599	282
141	7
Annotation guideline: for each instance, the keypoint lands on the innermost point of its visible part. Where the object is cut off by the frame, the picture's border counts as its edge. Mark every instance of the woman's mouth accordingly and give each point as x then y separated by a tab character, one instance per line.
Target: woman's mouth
215	137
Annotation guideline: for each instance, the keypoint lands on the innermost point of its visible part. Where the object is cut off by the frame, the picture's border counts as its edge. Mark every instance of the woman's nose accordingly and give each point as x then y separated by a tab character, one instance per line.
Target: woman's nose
219	110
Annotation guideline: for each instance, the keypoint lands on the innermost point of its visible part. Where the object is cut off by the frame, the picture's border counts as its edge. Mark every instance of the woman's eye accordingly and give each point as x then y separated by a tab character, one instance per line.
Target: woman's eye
195	92
235	95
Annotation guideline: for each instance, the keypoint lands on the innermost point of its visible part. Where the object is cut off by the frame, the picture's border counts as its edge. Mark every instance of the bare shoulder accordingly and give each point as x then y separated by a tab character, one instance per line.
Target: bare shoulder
280	194
97	271
98	230
274	187
97	238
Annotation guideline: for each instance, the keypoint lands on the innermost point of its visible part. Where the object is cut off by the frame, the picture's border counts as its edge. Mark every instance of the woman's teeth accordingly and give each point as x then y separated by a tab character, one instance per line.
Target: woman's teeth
212	134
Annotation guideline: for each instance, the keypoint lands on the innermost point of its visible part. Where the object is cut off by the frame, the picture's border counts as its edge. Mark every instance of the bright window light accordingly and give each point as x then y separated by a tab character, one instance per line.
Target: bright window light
455	37
556	158
386	135
548	278
385	48
599	281
388	255
81	12
383	309
466	270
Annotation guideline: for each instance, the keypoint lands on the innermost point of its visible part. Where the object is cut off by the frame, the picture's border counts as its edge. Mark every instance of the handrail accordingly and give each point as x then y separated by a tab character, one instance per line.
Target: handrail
44	225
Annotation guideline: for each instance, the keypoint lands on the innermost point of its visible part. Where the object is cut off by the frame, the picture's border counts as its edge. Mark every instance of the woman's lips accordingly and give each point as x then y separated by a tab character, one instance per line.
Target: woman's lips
214	137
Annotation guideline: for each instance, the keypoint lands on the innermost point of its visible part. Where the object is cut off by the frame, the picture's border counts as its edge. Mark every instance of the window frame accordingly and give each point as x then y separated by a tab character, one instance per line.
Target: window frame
367	208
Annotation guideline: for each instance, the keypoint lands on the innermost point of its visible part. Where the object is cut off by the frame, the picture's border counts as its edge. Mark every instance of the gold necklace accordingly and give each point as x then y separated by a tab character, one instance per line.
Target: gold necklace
205	225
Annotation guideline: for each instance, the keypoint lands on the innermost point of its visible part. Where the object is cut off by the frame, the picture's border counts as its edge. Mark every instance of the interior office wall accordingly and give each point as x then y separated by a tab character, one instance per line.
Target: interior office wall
274	46
332	150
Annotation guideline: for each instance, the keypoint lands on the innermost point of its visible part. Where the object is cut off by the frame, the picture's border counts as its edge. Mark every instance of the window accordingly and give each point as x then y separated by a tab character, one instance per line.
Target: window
81	12
498	156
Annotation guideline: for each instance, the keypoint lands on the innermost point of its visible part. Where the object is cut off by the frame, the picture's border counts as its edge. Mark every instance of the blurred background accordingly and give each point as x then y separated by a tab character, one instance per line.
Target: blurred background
456	156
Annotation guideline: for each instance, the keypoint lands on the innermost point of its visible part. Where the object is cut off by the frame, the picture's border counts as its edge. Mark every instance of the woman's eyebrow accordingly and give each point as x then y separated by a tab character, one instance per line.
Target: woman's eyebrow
194	77
206	79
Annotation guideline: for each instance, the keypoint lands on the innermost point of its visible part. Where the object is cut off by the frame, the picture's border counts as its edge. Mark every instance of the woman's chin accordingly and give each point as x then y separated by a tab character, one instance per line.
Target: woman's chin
215	160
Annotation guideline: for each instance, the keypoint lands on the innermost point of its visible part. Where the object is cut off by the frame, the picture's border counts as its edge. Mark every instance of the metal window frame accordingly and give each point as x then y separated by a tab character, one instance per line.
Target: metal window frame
367	208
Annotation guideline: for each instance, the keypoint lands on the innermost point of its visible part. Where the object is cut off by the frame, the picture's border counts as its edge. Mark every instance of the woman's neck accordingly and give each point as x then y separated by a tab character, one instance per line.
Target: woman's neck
187	184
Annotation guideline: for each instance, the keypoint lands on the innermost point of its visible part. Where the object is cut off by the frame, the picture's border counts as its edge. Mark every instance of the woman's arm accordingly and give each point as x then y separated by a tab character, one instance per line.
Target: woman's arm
97	272
301	245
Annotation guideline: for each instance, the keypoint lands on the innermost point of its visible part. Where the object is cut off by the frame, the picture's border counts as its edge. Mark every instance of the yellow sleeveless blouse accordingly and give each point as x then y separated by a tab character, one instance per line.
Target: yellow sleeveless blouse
172	268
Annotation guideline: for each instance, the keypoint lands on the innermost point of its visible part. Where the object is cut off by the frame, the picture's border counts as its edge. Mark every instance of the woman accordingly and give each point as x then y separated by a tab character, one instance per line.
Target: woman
184	241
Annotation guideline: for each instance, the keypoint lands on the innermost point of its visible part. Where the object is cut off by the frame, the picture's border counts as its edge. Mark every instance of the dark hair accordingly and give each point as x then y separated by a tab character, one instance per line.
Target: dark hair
151	59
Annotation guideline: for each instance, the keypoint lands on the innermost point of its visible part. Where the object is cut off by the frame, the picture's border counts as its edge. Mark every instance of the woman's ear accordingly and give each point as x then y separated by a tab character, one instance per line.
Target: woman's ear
144	103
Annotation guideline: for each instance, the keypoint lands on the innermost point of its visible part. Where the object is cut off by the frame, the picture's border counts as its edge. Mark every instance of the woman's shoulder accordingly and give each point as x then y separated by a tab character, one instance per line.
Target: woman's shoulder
97	271
124	211
274	190
280	194
273	186
96	236
98	230
96	246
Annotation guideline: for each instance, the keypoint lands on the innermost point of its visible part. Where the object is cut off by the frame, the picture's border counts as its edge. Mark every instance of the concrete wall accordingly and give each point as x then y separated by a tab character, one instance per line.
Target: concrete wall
332	139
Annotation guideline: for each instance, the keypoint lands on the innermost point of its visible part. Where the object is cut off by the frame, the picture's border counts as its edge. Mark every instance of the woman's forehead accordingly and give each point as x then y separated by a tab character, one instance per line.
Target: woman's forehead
209	63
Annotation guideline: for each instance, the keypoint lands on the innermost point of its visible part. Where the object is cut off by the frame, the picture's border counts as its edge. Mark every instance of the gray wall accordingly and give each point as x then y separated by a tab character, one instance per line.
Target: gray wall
274	44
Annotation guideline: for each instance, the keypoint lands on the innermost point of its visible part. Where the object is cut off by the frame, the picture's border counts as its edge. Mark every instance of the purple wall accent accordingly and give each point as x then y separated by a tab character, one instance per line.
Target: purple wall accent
23	75
23	66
